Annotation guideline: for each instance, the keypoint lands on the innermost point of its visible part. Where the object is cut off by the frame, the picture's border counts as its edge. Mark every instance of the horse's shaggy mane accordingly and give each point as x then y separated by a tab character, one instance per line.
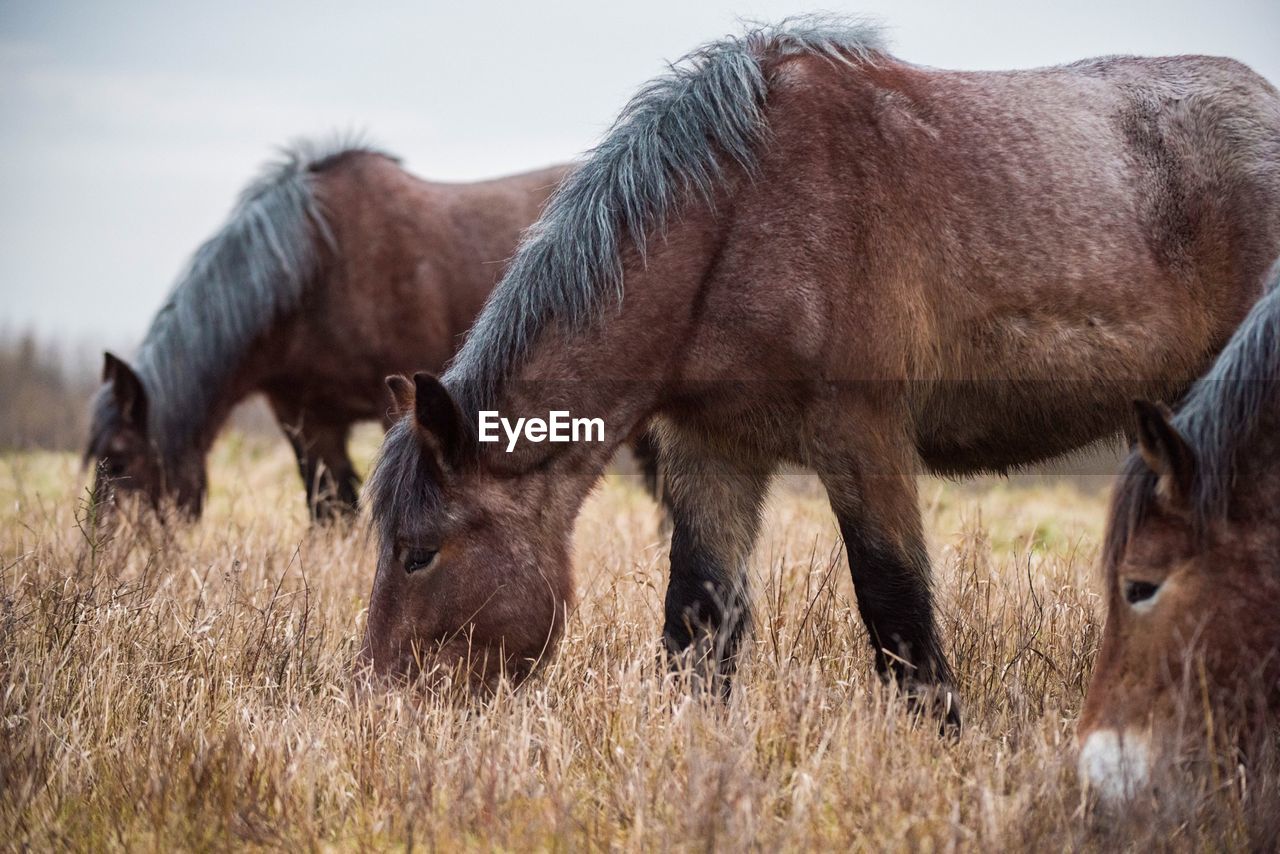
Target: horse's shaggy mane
671	143
401	484
1218	417
250	274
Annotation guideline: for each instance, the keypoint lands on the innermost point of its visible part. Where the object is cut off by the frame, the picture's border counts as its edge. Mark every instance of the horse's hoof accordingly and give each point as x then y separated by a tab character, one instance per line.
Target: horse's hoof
938	702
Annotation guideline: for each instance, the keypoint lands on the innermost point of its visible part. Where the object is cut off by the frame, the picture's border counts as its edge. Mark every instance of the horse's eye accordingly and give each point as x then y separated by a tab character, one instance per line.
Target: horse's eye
1139	591
416	559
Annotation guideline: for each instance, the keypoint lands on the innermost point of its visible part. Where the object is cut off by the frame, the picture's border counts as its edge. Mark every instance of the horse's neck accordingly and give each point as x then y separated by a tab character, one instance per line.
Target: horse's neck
581	392
617	370
192	430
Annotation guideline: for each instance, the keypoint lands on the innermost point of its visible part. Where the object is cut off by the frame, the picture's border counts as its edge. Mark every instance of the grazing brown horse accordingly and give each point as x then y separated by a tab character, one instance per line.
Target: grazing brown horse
797	248
1192	563
336	268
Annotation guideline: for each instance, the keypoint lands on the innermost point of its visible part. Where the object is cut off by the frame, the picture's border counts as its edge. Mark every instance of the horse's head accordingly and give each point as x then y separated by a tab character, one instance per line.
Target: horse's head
129	463
1193	622
473	569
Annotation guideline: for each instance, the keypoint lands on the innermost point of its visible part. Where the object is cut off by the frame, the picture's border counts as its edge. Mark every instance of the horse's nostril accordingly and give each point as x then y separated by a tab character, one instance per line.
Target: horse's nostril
1139	591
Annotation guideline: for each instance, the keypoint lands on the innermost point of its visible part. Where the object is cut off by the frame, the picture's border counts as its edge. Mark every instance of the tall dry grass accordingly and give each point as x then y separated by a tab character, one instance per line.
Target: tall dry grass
191	689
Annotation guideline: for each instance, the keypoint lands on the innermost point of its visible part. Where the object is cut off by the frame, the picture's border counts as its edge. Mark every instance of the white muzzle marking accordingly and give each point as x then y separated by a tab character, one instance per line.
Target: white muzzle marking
1117	764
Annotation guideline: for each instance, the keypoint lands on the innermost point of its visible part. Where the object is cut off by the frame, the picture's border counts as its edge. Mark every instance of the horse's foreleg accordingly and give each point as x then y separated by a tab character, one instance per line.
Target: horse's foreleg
715	507
645	449
873	494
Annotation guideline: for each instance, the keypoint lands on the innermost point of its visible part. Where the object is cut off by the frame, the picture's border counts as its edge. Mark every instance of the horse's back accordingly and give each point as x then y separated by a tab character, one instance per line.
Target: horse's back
1030	248
974	192
408	265
426	246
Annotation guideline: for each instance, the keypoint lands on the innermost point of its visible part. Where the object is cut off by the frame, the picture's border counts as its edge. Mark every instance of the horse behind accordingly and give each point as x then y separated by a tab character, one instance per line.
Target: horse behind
1192	569
336	268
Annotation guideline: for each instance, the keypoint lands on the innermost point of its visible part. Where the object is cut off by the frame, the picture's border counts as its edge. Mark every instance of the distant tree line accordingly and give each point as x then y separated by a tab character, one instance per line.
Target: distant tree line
44	402
46	391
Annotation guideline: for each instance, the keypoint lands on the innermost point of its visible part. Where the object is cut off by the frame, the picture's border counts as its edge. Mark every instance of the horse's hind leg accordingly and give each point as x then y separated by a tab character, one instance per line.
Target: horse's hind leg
714	501
873	493
327	472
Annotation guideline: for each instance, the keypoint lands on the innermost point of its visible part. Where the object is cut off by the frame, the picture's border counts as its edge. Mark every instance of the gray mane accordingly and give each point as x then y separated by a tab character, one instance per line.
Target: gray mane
1218	417
250	274
401	484
670	143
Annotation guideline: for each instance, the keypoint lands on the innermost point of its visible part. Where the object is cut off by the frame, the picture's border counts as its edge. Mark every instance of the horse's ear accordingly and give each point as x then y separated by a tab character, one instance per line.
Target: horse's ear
439	420
1166	453
401	394
130	395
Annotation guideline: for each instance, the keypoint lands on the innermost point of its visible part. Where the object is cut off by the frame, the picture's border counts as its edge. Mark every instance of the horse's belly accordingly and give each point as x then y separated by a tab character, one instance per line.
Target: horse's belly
995	425
1025	403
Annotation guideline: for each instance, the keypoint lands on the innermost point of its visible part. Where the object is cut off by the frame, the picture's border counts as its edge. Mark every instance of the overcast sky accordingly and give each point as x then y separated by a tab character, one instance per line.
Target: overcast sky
128	127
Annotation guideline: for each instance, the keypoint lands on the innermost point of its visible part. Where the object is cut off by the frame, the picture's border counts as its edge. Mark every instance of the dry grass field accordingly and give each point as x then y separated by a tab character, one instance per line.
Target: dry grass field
192	689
